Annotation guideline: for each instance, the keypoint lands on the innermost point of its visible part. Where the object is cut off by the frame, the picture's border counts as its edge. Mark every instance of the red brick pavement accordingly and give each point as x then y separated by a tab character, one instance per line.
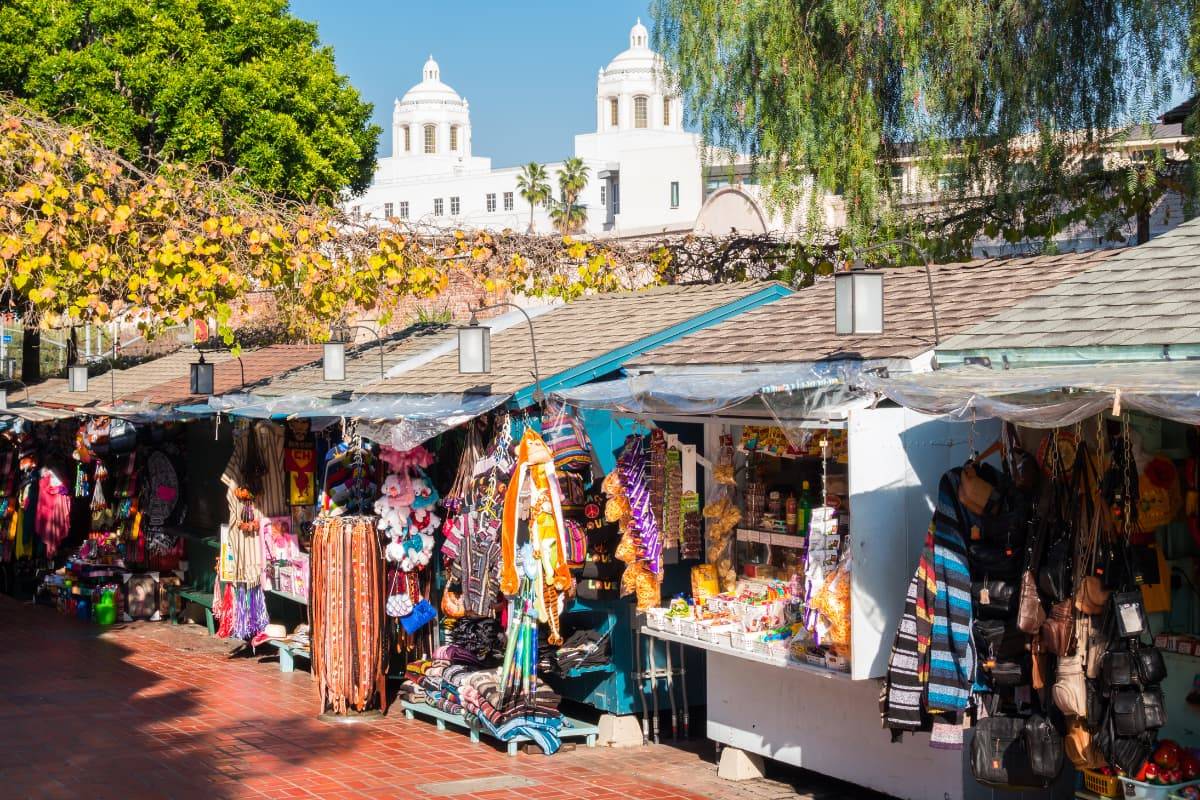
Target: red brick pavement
155	711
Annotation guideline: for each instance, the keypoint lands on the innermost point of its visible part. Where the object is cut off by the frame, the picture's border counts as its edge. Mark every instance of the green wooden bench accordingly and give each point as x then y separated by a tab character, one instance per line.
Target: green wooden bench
289	652
201	553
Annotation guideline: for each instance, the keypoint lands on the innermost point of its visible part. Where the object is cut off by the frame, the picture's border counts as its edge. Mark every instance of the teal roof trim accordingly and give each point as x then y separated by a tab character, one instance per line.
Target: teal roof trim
614	359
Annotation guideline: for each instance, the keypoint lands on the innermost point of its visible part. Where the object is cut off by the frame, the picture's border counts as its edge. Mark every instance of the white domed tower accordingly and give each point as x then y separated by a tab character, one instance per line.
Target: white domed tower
632	92
431	120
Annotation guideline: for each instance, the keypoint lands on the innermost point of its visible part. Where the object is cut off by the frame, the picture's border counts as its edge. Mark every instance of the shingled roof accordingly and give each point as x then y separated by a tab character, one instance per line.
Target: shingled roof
165	381
1147	295
800	328
580	332
362	364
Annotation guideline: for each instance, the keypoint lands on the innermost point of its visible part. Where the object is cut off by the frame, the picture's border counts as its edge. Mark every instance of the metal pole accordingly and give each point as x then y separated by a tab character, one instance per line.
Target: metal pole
378	339
537	378
927	261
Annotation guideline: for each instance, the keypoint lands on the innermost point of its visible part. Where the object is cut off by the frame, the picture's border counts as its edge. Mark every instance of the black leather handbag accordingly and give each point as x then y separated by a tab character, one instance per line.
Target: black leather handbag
993	562
1129	712
1045	747
1000	755
1151	668
994	599
1118	669
1054	574
999	640
1153	710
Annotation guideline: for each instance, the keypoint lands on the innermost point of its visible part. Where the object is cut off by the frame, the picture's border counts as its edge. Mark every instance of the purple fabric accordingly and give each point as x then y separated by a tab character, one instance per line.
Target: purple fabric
632	468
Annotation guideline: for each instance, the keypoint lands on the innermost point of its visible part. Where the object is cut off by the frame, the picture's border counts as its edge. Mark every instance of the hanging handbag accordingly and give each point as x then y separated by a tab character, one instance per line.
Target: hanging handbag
997	640
1007	673
1126	753
1092	597
993	562
1000	754
1080	747
1058	630
1153	712
977	494
1128	712
1030	614
1070	687
1151	669
1129	614
1118	669
1097	707
1054	574
994	599
1045	748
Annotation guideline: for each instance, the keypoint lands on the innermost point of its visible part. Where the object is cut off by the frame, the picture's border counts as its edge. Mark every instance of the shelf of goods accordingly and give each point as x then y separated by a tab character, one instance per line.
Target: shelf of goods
779	660
768	704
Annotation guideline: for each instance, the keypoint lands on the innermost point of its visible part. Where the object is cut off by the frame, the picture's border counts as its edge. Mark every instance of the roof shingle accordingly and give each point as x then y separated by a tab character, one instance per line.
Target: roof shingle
800	328
1145	295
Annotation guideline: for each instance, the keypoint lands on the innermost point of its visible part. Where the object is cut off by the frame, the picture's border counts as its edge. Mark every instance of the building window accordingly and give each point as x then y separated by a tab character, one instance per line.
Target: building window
453	138
407	139
641	114
455	207
603	196
508	201
430	138
403	209
614	110
438	209
356	210
616	198
491	202
666	112
674	194
387	210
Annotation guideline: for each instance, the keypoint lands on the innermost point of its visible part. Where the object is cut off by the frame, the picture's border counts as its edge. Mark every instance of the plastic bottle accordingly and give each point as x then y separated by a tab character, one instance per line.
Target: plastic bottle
806	507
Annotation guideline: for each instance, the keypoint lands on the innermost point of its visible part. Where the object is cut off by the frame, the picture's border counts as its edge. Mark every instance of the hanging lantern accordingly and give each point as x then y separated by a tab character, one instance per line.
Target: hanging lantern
334	360
858	302
77	378
201	377
474	348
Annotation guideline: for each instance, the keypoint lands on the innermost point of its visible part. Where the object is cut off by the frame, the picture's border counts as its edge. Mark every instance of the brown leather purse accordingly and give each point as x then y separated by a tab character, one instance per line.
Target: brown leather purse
1079	746
1092	597
974	492
1030	614
1058	631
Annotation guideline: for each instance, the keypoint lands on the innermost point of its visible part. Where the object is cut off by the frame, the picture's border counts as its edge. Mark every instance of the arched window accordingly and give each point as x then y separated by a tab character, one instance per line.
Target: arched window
614	109
641	113
453	138
407	139
666	112
431	138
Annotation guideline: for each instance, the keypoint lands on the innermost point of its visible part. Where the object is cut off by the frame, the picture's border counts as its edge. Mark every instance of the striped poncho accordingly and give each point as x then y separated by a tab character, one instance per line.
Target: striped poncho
932	663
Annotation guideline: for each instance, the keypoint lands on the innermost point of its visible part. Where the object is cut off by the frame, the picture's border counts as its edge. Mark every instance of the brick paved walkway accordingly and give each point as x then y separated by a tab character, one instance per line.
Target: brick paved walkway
151	710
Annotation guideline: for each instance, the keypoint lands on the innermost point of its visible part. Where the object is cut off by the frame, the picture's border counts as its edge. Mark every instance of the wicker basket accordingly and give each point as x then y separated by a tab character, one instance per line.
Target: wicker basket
1103	785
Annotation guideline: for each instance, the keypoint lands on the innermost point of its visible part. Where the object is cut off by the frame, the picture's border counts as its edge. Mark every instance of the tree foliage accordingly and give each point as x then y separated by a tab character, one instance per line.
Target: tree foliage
568	215
534	187
87	236
242	83
826	95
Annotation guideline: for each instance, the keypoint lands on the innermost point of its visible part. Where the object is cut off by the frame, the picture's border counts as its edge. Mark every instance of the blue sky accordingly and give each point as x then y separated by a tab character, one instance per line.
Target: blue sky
528	68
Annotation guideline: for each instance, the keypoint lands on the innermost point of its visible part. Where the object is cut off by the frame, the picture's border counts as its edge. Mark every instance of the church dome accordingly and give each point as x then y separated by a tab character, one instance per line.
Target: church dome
431	88
639	55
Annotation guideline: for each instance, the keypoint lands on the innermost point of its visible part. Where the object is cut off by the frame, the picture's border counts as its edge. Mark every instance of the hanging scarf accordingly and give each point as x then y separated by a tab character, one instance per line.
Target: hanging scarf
228	612
907	672
951	649
545	511
632	467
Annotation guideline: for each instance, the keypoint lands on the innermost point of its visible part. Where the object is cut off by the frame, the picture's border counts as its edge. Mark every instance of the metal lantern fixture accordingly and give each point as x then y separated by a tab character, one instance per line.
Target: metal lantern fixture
858	301
474	348
201	377
334	361
77	378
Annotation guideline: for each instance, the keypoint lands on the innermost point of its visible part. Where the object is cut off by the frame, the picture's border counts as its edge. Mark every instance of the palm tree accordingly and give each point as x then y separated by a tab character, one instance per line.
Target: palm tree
534	187
569	215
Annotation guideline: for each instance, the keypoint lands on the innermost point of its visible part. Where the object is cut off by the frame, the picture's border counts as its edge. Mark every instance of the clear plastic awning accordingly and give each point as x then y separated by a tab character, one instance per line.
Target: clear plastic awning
1052	396
400	420
809	388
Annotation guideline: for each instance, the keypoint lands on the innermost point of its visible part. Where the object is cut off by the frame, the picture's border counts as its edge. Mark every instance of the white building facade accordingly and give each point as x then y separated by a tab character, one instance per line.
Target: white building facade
645	173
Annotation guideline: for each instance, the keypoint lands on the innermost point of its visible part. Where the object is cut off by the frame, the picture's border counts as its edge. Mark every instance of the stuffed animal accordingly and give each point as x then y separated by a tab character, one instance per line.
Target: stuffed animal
393	505
425	496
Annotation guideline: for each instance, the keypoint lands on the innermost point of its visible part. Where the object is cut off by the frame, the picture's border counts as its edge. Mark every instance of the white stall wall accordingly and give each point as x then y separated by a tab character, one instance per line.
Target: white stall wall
897	457
828	725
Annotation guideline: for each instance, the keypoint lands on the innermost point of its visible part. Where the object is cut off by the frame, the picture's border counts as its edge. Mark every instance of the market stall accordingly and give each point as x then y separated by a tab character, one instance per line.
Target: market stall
815	505
1113	554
